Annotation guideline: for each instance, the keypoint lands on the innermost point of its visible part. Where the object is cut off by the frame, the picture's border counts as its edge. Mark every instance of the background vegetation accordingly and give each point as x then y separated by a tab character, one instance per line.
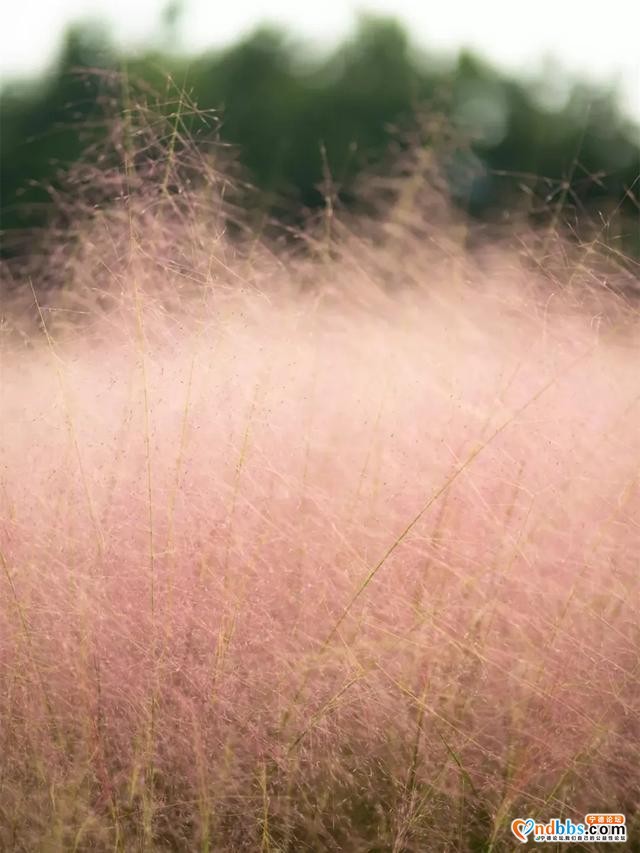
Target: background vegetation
300	122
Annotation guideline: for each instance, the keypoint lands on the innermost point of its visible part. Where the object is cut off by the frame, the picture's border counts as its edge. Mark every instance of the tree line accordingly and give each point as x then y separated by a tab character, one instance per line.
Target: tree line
297	119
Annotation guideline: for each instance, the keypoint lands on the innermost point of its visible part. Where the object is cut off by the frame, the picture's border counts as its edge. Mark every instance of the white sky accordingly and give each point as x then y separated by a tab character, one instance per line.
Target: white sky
599	40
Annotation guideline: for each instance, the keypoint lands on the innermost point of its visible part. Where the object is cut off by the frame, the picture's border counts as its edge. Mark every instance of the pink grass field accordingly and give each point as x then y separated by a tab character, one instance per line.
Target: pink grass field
327	552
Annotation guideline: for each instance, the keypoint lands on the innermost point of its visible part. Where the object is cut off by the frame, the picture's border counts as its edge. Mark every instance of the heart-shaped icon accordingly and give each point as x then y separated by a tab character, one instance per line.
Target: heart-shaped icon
522	828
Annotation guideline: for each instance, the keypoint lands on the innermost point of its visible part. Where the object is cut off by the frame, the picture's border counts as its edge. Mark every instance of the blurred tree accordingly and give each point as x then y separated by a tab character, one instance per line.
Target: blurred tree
45	129
296	120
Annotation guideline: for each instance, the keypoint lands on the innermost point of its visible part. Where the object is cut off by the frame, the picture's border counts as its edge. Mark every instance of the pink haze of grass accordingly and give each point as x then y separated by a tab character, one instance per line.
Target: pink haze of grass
336	552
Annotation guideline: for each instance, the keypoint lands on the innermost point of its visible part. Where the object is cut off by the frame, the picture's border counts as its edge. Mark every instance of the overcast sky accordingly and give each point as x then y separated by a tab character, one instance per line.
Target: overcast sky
599	40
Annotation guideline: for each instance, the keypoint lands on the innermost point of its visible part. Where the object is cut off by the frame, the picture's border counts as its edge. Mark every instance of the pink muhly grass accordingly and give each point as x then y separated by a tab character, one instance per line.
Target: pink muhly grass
298	559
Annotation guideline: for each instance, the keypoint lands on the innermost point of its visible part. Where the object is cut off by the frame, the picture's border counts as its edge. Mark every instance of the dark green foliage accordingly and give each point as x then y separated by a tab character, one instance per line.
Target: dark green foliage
302	123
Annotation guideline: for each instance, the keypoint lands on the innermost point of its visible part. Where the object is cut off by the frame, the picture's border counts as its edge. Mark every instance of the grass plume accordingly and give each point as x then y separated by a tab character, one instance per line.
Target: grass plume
314	550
